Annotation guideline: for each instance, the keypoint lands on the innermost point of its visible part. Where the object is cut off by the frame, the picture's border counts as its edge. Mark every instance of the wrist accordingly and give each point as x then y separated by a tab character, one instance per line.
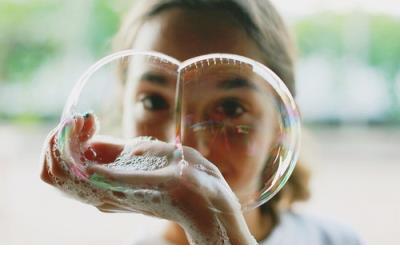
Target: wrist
226	225
236	227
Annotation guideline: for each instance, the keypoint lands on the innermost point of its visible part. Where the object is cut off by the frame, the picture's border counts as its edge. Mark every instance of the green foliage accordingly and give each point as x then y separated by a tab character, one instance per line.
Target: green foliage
327	34
104	23
321	33
330	35
22	59
384	54
16	14
384	49
20	53
28	118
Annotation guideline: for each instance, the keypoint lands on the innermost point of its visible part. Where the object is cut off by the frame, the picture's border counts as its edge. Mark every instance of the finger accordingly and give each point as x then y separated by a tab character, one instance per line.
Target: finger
152	148
78	122
161	149
133	178
68	147
52	166
53	160
77	131
66	138
45	174
111	208
88	128
45	170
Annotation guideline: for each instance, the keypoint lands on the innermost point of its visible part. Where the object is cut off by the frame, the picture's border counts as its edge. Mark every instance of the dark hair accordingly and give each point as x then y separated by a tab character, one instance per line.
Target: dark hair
261	21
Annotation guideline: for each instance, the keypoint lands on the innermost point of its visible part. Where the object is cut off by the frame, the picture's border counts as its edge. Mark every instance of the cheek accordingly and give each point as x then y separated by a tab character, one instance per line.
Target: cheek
246	164
245	179
139	122
249	169
163	131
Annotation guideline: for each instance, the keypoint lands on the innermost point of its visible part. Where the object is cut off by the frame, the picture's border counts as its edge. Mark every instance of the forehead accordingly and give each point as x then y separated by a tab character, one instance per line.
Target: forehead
183	34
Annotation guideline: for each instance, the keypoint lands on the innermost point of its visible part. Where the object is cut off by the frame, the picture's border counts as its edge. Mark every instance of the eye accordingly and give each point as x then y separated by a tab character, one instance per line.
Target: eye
154	102
230	108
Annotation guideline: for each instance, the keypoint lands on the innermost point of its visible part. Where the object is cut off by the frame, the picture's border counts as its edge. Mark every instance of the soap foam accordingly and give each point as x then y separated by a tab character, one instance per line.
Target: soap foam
80	190
130	162
138	163
156	201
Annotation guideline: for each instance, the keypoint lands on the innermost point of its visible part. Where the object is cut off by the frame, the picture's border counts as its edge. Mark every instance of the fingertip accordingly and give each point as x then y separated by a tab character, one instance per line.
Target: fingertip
88	127
86	115
45	173
78	123
63	131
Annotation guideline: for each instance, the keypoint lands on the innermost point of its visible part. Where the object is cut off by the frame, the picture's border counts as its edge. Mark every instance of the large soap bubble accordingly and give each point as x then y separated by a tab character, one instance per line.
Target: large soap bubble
235	111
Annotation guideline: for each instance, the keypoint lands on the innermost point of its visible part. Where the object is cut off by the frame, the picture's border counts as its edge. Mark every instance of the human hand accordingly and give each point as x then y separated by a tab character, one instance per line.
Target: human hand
192	193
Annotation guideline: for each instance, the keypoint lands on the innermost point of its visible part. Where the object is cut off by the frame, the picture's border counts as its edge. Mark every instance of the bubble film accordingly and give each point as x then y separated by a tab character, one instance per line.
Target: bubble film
232	110
240	116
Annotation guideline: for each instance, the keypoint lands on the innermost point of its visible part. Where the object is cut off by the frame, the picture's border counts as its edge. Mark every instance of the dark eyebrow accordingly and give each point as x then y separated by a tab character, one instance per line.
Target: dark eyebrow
236	83
154	78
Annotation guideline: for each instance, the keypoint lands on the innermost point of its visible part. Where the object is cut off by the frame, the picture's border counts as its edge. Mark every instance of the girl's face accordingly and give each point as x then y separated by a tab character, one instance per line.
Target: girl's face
218	96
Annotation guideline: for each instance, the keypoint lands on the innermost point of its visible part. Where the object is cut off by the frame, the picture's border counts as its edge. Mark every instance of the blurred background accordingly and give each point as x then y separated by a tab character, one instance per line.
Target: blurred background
348	78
